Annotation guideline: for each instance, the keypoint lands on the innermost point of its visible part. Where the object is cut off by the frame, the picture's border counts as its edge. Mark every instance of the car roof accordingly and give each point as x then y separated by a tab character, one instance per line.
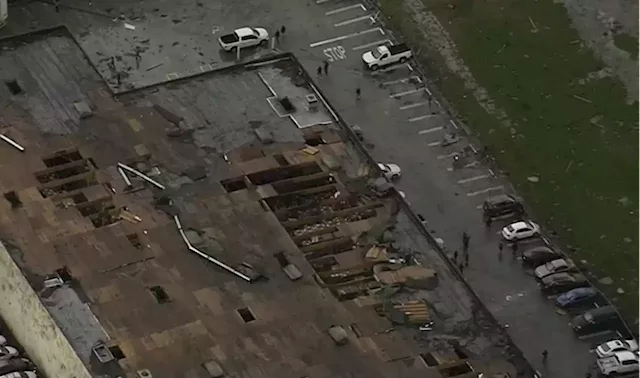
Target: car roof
520	224
583	289
559	263
540	249
500	198
626	355
602	310
244	31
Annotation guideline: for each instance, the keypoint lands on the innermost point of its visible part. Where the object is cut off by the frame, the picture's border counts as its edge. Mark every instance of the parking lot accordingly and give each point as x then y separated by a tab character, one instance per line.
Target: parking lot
402	122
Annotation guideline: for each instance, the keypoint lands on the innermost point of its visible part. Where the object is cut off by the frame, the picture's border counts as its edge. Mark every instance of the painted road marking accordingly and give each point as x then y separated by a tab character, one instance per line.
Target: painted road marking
396	95
442	157
353	20
487	190
335	53
343	37
344	9
406	79
411	106
433	144
468	165
474	178
427	131
322	1
375	43
420	118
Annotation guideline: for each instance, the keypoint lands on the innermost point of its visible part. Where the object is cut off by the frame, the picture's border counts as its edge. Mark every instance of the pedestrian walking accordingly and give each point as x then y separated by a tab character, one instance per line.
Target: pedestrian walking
466	259
487	222
326	67
319	72
545	354
357	93
514	249
461	267
500	255
277	35
57	5
500	246
465	240
455	256
283	29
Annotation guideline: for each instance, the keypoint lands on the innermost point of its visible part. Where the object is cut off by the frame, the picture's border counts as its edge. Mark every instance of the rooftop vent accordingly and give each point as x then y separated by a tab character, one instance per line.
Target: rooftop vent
246	315
13	199
287	105
13	86
144	373
312	101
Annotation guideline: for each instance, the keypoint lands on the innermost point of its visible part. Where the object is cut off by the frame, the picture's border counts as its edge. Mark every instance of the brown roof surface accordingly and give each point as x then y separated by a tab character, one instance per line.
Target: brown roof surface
71	214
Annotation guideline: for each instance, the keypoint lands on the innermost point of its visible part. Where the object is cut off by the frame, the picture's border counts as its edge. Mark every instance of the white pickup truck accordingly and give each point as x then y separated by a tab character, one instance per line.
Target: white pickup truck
619	363
243	37
384	55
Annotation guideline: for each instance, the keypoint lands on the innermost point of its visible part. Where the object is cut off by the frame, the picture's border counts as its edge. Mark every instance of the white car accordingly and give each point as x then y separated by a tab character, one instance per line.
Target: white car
612	347
390	171
243	38
3	340
20	374
619	363
520	230
7	352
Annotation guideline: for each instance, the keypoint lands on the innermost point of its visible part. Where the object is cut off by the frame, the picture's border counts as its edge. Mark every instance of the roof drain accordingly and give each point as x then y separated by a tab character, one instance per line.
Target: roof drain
204	255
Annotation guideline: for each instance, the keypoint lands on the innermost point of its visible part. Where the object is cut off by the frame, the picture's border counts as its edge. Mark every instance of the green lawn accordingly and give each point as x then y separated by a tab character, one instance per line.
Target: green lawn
578	136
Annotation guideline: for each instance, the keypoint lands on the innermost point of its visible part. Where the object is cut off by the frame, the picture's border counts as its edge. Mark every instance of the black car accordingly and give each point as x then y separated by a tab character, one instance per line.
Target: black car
562	282
503	204
539	255
597	320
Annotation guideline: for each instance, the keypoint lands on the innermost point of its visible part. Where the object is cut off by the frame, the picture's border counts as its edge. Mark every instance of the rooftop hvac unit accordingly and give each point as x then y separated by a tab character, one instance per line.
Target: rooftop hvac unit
4	12
144	373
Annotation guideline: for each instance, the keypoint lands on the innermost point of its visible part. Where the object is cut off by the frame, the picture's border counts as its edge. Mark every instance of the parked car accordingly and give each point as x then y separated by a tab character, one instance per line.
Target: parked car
619	363
385	55
561	282
243	38
520	230
390	171
612	347
537	256
577	297
501	205
597	320
554	266
7	352
21	374
15	364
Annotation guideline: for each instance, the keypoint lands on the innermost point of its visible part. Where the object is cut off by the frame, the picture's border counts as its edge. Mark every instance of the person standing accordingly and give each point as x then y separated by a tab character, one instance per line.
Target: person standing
282	30
545	354
326	67
358	93
319	71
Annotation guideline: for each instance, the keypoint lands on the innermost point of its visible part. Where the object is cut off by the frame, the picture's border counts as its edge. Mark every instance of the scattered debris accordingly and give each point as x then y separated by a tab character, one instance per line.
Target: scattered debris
533	179
127	215
582	99
606	280
501	48
620	290
339	335
168	115
155	66
568	166
142	176
627	239
625	201
129	26
534	28
12	142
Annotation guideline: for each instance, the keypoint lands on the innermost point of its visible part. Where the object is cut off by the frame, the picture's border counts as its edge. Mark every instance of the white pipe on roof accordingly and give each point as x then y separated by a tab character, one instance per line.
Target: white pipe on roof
141	175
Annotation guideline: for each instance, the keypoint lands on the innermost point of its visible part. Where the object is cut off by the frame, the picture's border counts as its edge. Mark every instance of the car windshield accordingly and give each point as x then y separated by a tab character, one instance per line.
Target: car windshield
376	53
255	32
384	167
588	317
606	347
510	228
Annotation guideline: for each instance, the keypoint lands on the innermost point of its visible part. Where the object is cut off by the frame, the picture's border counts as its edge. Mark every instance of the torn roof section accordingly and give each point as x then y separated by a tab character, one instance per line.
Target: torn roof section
133	194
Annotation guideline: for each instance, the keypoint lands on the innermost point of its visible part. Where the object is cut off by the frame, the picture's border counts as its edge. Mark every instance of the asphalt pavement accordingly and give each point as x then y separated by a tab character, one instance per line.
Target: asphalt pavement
403	123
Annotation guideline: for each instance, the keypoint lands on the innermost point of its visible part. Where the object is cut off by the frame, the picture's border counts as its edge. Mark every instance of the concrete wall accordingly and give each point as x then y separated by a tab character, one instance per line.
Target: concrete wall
32	325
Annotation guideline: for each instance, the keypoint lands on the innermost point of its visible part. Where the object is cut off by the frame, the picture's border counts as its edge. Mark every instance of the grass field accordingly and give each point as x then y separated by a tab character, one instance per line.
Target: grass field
578	136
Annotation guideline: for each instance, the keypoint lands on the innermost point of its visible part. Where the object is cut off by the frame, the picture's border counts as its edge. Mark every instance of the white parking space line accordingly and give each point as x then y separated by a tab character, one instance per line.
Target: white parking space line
480	207
468	165
487	190
474	178
431	130
353	20
406	79
343	37
322	1
411	106
375	43
396	95
420	118
344	9
442	157
433	144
